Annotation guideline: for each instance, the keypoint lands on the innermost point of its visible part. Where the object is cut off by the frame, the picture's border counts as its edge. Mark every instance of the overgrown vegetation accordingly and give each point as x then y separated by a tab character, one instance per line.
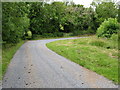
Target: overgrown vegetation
97	54
14	21
107	28
53	20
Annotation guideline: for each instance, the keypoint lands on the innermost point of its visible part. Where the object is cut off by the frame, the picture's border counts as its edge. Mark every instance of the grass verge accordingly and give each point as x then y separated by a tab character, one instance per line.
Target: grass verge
96	54
7	54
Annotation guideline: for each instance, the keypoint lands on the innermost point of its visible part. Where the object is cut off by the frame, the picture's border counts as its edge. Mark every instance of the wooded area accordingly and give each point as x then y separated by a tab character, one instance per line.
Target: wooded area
27	20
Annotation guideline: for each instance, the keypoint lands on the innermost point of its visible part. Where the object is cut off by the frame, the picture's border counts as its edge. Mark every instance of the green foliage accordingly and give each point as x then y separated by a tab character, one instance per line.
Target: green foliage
29	35
53	19
14	21
47	19
114	37
78	32
108	27
83	32
57	17
106	10
68	34
119	14
61	27
55	34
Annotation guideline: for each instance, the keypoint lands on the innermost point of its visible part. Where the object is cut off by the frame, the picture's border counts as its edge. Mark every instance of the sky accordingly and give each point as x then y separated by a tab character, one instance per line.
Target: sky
86	3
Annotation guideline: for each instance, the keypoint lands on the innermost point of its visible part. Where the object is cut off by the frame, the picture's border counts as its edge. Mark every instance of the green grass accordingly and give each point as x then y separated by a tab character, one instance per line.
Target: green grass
96	54
7	54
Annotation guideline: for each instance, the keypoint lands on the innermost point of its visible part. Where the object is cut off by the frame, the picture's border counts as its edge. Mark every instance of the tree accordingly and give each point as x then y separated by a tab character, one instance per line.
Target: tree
14	21
46	19
106	10
118	11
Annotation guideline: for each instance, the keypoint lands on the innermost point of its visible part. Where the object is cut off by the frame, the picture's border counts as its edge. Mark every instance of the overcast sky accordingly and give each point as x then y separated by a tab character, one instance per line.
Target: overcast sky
86	3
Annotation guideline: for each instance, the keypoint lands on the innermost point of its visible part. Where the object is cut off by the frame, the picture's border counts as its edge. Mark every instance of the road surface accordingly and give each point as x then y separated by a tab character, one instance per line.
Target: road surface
36	66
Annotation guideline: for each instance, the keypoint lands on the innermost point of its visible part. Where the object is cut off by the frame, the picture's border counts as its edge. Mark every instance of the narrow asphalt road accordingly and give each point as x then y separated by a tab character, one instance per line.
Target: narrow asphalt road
36	66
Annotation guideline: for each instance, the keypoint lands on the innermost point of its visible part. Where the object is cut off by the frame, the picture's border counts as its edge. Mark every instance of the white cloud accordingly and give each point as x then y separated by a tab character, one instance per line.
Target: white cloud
86	3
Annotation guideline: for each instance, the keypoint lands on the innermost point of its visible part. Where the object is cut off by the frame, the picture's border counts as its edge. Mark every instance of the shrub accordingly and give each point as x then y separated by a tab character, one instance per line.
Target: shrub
67	34
61	27
29	33
98	43
108	27
78	32
114	37
55	34
58	34
90	31
47	35
36	36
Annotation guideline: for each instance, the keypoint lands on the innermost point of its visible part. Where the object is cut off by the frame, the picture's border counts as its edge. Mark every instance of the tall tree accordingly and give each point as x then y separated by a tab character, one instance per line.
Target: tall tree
119	11
14	21
106	10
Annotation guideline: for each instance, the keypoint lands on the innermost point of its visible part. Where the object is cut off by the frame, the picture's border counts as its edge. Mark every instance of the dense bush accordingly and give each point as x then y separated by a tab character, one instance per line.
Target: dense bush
14	21
28	35
82	32
67	34
55	19
46	20
106	10
114	37
55	34
108	27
